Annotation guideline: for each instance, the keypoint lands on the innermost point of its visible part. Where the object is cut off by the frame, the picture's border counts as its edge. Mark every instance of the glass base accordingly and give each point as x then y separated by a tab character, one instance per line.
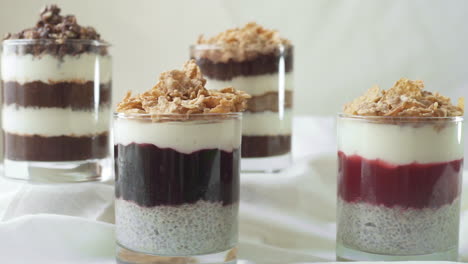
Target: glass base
267	164
127	256
68	171
348	254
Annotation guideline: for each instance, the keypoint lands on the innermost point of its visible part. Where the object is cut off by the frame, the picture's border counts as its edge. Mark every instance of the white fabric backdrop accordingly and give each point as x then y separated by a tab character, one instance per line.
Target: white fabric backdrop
342	48
284	218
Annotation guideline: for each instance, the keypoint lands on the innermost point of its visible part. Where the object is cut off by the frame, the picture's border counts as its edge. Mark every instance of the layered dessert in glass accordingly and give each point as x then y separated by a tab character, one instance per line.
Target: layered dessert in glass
400	155
177	154
260	62
56	87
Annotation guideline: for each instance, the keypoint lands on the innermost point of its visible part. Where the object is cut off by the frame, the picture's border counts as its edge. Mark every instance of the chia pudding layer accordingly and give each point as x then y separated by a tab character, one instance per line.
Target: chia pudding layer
184	230
400	165
398	230
177	172
172	202
398	209
56	87
261	63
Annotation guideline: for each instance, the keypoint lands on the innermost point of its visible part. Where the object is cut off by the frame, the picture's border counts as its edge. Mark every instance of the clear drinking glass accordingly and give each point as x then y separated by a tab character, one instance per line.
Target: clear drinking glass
56	109
177	187
399	187
267	122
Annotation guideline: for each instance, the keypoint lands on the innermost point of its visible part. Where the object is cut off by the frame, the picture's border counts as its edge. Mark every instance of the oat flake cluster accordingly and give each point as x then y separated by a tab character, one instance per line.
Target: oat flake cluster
405	99
183	92
244	43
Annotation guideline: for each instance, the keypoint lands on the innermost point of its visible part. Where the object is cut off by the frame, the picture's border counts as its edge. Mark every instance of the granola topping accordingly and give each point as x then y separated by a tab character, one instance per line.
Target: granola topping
405	99
56	35
183	92
246	43
52	25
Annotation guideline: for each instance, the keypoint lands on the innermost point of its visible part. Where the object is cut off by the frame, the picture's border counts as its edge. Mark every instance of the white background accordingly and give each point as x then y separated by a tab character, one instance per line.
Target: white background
342	47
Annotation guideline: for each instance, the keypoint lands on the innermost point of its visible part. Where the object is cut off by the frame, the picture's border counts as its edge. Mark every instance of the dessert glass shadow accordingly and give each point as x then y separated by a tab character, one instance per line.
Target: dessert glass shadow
399	187
177	187
267	121
56	109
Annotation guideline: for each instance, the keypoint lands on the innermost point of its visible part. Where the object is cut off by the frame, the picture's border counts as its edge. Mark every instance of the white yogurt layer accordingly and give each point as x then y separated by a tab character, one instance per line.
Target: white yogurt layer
267	123
401	144
47	68
255	85
397	230
185	136
54	121
189	229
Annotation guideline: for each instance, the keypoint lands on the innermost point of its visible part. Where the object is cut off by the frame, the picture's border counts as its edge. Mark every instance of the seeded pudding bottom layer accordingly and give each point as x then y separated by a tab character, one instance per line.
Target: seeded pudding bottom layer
397	230
174	203
189	229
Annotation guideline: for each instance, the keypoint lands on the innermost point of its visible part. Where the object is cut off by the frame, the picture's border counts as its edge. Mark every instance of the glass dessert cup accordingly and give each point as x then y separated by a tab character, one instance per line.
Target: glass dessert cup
267	122
56	109
399	187
177	187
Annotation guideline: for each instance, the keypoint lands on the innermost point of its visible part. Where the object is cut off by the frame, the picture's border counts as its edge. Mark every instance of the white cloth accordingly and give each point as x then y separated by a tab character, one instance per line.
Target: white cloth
284	218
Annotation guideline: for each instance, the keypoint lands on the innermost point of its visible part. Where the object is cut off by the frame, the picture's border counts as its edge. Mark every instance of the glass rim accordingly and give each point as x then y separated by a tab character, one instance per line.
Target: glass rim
93	42
401	118
174	115
221	46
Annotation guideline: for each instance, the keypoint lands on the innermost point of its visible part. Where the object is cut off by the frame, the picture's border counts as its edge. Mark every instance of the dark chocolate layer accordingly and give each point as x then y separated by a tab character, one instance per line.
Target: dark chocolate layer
265	146
269	102
262	64
152	176
60	148
78	96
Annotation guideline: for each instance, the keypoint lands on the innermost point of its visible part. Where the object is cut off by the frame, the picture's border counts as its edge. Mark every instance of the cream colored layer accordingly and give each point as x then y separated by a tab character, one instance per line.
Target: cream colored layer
401	144
267	123
47	68
256	85
185	137
54	121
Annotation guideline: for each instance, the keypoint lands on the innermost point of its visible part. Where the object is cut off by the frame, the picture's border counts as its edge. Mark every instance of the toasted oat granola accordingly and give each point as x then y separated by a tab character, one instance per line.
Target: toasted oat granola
405	99
244	43
183	92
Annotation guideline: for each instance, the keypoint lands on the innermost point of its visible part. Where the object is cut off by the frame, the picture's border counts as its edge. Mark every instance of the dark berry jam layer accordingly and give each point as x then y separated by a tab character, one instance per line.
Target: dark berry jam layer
414	185
262	64
265	146
78	96
60	148
152	176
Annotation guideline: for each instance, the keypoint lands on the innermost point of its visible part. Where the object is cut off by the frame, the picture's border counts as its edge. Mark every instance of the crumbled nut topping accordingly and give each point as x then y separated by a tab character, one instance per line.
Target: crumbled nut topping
244	43
405	99
184	92
52	25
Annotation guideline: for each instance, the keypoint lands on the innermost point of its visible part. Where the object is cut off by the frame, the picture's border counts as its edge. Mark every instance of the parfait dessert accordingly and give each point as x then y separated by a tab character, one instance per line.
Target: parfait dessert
56	87
260	62
177	157
400	157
